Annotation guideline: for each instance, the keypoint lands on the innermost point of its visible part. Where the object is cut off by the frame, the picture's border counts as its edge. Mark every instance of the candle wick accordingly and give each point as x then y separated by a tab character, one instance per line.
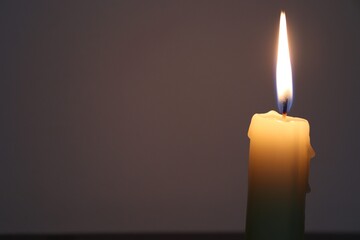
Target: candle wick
285	106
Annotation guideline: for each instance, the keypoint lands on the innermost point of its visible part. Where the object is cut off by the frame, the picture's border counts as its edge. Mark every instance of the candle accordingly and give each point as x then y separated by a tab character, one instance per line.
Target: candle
280	152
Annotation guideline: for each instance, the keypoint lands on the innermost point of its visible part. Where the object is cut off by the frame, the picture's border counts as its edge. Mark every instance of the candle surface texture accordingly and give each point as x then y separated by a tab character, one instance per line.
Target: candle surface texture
280	152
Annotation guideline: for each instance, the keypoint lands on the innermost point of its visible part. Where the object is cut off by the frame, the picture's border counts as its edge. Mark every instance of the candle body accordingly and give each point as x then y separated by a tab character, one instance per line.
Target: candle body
279	157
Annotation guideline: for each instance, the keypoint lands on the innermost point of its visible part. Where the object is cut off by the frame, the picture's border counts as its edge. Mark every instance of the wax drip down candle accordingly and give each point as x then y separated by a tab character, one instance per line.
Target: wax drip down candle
280	152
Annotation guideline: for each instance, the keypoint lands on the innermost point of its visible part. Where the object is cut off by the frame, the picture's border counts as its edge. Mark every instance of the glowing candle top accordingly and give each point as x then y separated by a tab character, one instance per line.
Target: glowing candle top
284	85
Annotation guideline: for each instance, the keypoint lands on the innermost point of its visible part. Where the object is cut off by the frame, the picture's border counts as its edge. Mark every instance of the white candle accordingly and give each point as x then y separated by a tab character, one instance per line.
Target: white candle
280	151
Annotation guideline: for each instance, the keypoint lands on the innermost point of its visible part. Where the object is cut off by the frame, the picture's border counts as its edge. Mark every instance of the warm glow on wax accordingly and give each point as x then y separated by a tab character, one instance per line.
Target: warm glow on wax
284	84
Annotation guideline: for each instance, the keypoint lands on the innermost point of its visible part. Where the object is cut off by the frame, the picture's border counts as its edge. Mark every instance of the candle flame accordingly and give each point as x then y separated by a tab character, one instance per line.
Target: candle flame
283	69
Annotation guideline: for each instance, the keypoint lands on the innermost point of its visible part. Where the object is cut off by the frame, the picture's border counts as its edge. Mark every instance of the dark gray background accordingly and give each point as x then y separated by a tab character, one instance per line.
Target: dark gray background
133	115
